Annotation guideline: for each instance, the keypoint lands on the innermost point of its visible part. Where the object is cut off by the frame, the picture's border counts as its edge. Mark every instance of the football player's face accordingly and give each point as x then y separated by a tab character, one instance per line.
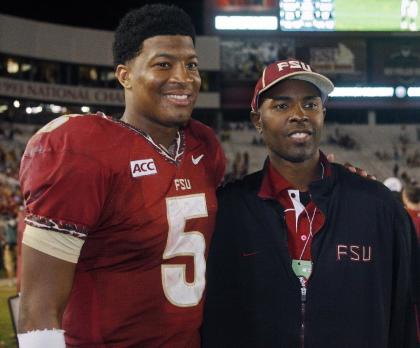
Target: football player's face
290	120
164	80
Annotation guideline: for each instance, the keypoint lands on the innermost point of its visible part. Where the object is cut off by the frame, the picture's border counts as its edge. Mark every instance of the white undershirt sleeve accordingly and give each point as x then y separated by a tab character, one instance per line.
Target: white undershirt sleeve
56	244
42	339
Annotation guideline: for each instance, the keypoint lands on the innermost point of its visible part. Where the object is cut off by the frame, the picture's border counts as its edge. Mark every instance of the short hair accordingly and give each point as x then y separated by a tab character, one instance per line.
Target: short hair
145	22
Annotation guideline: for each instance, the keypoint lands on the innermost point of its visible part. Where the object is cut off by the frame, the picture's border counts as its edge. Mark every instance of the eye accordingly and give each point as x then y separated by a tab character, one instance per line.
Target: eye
192	66
163	65
311	105
281	106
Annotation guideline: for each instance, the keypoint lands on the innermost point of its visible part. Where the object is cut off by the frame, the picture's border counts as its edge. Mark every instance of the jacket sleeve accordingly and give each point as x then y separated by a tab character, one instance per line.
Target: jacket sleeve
415	270
221	305
404	330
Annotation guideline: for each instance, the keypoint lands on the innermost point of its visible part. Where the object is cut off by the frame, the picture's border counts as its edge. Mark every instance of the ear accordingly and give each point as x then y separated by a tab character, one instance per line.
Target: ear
404	197
324	112
122	73
256	120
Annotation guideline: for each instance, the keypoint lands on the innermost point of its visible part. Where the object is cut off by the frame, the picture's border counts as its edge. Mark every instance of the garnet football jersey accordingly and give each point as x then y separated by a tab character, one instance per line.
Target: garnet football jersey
146	217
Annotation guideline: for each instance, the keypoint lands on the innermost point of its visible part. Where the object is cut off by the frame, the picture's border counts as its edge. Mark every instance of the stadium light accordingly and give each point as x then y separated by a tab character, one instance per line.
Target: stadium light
369	92
246	22
16	104
400	92
34	110
413	92
37	109
55	108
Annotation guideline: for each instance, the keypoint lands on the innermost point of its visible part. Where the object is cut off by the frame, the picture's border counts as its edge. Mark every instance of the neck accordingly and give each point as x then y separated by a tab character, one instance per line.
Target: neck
160	134
301	174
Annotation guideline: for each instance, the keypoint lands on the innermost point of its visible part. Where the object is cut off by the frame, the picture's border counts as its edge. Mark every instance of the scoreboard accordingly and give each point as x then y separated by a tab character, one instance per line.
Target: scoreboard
314	15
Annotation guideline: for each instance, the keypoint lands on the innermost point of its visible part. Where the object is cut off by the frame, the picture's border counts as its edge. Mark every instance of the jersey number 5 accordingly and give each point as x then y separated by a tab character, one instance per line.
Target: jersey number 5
180	243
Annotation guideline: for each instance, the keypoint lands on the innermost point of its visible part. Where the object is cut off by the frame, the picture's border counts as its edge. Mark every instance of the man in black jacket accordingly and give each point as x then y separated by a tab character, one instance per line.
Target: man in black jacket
305	253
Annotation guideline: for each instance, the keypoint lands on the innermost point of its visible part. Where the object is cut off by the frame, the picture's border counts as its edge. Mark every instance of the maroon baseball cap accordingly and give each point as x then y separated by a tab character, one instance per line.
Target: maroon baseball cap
290	69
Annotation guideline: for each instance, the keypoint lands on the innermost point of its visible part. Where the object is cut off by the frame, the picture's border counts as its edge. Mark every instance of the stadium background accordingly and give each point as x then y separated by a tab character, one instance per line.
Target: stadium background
56	58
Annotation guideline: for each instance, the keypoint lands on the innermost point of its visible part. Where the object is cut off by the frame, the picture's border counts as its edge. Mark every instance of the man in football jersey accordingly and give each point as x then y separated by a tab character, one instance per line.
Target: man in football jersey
305	253
120	212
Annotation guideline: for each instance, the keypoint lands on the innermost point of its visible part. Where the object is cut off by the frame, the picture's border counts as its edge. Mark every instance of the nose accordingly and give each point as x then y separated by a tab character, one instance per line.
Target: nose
298	114
180	74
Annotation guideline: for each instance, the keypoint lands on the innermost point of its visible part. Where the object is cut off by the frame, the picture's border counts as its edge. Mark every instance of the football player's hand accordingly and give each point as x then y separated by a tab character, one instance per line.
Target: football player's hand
352	168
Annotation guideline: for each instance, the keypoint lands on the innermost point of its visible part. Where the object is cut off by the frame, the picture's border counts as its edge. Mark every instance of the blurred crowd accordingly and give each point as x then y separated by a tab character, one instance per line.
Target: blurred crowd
239	168
11	202
342	139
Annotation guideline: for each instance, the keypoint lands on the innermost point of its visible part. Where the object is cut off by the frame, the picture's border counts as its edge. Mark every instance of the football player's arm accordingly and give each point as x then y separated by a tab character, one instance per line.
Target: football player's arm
49	260
53	169
46	285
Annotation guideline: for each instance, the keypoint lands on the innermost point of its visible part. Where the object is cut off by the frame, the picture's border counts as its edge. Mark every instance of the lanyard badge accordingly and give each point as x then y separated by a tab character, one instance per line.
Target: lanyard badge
302	268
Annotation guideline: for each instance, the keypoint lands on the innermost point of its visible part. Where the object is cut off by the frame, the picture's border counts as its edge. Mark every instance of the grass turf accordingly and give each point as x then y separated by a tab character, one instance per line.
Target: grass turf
368	15
7	339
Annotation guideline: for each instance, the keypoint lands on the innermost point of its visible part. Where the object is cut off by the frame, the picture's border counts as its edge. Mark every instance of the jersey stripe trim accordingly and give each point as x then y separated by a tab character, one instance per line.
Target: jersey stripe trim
62	246
58	226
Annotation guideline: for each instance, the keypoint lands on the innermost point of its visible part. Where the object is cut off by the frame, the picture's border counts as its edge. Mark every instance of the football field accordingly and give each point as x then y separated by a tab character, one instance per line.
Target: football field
369	15
7	339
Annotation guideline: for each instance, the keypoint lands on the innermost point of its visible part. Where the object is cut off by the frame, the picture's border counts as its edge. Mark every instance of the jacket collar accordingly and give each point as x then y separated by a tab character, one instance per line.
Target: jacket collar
320	190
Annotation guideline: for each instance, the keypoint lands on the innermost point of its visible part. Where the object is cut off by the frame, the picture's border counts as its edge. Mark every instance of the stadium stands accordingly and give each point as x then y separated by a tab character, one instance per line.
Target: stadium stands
368	141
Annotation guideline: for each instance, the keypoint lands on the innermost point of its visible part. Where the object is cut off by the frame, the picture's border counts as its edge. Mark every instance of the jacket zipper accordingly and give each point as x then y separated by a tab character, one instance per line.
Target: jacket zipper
302	312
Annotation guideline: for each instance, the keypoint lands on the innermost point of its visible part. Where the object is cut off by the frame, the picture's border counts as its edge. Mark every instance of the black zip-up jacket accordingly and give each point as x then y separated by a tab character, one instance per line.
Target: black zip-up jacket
363	288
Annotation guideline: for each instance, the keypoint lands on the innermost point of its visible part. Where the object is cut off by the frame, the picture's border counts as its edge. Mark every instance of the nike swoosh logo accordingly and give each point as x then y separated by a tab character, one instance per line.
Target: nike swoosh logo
250	254
197	159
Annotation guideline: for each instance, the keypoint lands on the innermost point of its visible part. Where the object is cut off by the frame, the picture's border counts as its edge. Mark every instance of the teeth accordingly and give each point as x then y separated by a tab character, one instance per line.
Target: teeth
298	135
177	96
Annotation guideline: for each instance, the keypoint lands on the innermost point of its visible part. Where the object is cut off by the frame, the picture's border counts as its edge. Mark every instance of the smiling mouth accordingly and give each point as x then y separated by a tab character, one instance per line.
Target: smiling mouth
179	99
300	134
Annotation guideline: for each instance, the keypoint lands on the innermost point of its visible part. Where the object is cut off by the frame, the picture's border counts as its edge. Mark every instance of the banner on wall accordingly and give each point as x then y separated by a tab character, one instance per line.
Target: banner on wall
60	93
244	59
46	92
344	61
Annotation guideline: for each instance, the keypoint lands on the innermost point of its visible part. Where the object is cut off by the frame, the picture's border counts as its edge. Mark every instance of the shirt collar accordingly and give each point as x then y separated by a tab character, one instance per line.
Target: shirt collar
274	183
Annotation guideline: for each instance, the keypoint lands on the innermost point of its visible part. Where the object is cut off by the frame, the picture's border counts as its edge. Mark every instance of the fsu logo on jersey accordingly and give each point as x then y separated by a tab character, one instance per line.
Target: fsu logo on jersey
361	253
143	167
